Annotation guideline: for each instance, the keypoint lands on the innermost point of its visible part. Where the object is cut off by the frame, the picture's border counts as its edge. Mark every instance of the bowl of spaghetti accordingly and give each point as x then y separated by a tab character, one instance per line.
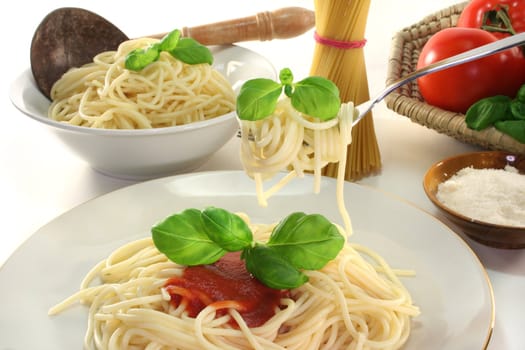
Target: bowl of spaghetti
482	193
168	118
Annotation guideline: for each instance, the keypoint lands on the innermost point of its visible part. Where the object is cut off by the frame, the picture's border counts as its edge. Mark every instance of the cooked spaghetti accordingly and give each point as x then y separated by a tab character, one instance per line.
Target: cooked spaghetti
290	140
168	92
355	302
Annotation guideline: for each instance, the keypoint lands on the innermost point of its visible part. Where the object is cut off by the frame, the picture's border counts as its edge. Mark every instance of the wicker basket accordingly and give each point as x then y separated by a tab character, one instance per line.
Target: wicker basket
407	101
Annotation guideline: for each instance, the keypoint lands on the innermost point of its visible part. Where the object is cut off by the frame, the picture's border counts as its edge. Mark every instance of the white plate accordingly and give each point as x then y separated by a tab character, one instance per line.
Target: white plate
451	287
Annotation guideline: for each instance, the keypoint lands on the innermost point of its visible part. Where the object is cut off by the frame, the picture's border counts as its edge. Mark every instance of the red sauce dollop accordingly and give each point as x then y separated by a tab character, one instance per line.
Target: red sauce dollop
225	284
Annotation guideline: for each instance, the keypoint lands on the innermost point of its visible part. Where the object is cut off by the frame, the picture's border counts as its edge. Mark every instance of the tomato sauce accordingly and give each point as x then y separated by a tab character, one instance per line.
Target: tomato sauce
225	284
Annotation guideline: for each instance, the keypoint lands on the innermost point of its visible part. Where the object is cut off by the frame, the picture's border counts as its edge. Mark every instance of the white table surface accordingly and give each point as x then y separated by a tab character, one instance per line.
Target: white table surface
40	179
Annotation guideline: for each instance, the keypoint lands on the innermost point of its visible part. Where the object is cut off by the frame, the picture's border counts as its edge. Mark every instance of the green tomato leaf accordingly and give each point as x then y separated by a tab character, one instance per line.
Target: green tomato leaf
306	241
138	59
258	98
183	239
269	267
226	229
170	41
317	97
487	111
191	52
513	128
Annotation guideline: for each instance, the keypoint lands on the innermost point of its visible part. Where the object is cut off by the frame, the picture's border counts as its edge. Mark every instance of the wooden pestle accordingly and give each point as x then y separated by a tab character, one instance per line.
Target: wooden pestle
279	24
70	37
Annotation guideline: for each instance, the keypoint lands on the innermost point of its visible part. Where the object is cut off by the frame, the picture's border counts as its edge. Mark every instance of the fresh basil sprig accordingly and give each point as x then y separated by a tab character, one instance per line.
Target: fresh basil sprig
504	113
488	111
227	230
306	240
272	269
298	242
314	96
186	50
182	238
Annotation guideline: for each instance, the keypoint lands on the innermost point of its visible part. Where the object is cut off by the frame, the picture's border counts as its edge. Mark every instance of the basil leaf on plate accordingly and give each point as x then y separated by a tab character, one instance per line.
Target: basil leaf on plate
306	241
183	239
299	241
226	229
269	267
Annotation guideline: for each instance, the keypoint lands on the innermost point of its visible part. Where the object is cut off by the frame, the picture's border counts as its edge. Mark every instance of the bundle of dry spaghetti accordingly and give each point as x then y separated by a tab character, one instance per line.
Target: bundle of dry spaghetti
338	56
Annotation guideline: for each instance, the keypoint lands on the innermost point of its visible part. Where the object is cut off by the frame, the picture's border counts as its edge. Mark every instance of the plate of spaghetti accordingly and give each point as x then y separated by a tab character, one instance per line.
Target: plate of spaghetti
95	276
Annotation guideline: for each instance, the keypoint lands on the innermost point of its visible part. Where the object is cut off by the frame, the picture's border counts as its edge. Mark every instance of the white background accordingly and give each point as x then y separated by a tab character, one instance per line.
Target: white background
40	179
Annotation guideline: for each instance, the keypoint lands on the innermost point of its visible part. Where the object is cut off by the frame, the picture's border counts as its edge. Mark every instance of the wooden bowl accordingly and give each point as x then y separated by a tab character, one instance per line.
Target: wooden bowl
494	235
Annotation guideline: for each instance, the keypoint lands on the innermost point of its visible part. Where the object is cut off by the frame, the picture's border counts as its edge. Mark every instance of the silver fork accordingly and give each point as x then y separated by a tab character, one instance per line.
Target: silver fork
467	56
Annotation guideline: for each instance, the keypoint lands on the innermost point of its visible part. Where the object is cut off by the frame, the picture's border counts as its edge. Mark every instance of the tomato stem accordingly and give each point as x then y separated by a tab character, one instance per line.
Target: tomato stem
498	20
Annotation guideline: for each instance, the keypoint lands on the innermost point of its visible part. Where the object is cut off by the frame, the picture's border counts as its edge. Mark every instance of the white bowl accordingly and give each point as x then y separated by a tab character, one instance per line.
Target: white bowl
149	153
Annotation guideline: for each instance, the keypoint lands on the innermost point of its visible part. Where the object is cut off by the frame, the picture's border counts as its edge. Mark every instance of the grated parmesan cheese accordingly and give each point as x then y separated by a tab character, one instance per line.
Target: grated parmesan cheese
491	195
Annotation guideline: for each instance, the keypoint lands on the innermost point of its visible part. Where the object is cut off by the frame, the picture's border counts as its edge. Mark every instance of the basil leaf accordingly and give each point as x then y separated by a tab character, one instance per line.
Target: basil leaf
513	128
487	111
517	108
306	241
286	76
183	239
317	97
190	51
269	267
258	98
226	229
170	41
138	59
288	90
520	95
287	224
186	50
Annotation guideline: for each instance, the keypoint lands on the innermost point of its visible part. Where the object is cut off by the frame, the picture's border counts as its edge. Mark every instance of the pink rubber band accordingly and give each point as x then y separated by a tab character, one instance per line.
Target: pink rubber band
345	45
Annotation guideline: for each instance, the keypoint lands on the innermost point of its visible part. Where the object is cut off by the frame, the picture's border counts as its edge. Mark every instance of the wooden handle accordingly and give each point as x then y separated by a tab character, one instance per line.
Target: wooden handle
279	24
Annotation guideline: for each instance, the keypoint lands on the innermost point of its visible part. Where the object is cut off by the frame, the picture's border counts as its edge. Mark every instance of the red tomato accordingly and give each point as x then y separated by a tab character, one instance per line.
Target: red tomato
457	88
500	17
